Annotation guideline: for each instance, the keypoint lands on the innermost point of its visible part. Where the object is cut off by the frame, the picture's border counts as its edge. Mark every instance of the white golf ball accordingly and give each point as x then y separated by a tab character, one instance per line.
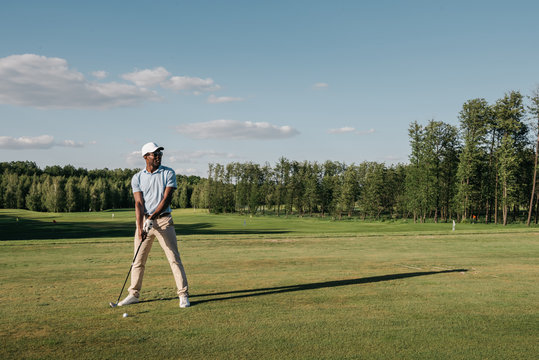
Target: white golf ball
125	315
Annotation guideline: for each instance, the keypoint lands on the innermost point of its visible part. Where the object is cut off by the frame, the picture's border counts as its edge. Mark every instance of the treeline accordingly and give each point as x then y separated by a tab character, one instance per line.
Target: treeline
58	189
482	170
66	189
369	189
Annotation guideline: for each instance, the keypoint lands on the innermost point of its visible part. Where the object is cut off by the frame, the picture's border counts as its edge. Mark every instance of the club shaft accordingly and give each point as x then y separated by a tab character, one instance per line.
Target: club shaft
131	267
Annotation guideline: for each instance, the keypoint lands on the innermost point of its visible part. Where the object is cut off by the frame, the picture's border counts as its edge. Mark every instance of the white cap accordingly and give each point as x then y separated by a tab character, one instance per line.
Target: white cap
150	148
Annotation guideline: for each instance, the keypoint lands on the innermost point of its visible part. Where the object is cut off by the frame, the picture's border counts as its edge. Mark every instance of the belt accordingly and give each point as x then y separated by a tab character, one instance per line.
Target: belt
160	215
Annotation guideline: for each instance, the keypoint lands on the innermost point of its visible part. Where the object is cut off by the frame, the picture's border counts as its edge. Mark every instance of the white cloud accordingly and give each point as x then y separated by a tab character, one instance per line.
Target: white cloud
320	86
70	143
27	142
348	130
160	76
342	130
187	83
100	74
173	158
236	130
48	83
134	159
148	77
36	142
366	132
191	171
191	156
212	99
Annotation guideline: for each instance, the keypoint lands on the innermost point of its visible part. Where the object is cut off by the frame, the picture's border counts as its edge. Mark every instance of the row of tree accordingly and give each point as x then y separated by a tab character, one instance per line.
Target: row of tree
484	168
23	185
369	189
66	189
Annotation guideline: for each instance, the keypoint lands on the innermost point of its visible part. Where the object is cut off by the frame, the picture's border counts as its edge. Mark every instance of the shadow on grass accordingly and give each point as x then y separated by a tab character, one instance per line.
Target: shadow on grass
29	229
240	294
52	228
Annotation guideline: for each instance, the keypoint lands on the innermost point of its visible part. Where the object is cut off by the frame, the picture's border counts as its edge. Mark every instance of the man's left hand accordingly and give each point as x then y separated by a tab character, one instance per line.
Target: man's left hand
148	225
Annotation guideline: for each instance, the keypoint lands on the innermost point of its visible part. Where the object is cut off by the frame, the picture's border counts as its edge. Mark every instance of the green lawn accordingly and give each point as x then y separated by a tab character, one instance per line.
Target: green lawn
268	288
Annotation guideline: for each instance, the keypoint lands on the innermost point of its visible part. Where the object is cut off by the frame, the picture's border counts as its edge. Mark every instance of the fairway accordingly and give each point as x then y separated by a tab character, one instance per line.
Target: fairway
268	288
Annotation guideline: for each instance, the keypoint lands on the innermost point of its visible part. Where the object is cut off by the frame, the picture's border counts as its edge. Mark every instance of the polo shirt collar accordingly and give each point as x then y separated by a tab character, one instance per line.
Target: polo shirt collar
159	169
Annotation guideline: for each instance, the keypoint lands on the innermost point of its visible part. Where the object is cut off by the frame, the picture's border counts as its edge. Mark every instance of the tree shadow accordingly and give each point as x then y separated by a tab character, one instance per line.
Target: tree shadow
240	294
206	228
51	227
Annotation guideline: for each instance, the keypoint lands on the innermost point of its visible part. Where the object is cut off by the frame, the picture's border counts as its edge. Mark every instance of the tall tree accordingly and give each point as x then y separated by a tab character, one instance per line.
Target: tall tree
474	125
72	195
184	195
440	162
84	188
349	191
54	193
329	187
312	186
534	110
416	175
34	197
9	190
509	122
371	197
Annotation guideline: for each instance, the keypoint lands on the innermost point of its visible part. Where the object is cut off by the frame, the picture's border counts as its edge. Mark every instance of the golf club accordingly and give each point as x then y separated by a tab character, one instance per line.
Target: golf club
112	304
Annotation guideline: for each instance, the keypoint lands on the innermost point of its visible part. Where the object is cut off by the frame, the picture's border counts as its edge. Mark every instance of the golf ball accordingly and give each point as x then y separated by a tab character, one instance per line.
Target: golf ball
125	315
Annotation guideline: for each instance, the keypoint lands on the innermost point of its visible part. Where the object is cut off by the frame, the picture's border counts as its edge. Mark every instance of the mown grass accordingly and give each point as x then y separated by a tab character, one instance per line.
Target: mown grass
269	288
114	224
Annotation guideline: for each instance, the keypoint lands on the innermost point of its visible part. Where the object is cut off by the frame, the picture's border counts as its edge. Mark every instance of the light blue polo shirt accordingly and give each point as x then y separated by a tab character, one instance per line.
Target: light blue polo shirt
152	186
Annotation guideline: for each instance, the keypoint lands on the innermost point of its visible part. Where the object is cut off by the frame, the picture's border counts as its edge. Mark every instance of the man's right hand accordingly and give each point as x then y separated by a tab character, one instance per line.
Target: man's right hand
142	235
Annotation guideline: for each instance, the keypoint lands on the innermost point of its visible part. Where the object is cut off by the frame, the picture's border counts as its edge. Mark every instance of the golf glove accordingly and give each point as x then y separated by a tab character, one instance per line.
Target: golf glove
148	225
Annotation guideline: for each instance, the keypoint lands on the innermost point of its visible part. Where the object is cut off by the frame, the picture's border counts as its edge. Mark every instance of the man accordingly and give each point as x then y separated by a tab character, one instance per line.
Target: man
152	189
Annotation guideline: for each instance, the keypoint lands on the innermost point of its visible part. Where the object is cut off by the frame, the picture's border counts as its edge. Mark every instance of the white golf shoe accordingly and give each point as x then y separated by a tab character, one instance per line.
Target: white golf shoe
130	299
184	301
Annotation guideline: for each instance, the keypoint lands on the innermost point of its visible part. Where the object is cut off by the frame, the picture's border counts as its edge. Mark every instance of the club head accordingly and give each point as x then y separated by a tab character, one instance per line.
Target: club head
113	305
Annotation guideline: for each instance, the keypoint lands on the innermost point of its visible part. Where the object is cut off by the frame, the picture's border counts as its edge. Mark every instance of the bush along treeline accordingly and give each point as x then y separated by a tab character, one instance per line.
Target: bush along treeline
483	170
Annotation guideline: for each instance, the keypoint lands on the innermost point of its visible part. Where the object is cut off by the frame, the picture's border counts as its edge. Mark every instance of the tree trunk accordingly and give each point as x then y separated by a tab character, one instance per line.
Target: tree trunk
464	216
534	180
496	200
487	207
490	156
505	207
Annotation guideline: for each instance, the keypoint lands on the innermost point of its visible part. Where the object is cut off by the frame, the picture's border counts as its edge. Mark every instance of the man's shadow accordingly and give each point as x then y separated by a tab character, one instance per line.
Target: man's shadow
239	294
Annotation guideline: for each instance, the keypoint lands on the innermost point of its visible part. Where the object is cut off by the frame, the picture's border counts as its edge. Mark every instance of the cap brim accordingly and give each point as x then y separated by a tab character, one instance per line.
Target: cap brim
159	148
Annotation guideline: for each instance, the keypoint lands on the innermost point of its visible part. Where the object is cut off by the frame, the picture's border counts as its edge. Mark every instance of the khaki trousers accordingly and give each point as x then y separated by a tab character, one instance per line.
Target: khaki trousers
163	230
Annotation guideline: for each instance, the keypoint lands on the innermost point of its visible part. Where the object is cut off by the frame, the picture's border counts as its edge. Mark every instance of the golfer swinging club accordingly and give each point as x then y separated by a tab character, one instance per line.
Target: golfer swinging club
152	189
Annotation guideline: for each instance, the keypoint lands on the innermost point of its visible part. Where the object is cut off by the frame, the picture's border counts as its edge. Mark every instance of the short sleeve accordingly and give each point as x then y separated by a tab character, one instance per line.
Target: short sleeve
135	183
171	179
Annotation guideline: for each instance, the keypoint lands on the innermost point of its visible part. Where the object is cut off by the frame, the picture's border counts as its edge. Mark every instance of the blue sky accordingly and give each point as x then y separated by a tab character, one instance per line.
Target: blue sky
88	84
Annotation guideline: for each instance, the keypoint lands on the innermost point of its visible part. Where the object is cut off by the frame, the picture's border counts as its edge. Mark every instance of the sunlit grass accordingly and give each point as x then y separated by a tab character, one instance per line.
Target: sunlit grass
351	292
